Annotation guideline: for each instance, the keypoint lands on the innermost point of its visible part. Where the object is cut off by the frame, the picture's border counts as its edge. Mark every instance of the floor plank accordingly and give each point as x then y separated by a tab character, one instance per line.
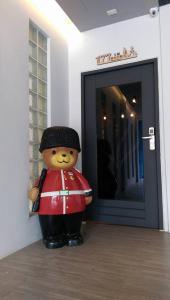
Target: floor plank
115	262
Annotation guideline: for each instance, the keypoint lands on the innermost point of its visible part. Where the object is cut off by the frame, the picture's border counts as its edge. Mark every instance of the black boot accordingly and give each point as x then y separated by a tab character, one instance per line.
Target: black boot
54	242
74	240
52	231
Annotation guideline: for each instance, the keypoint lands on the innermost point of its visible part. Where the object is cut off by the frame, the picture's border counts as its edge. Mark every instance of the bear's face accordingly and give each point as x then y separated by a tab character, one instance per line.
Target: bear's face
60	158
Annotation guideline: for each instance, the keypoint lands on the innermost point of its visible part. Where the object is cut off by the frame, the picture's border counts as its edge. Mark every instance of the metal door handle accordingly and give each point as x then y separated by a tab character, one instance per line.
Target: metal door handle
147	137
151	139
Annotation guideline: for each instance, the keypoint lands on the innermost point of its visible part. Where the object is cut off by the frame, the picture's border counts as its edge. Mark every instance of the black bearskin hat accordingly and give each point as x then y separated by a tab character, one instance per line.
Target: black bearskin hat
59	136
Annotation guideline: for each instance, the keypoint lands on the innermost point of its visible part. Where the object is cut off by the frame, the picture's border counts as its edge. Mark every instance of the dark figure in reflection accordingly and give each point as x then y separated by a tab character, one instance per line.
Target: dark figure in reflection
107	184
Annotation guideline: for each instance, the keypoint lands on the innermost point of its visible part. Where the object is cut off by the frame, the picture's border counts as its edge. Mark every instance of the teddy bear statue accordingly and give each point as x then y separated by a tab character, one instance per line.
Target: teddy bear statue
61	193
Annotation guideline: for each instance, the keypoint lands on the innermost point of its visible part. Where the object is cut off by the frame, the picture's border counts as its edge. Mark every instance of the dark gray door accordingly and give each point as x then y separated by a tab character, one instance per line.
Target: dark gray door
121	145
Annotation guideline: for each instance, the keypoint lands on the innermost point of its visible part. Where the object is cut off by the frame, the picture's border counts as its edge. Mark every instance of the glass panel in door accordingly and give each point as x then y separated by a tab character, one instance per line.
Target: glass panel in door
120	162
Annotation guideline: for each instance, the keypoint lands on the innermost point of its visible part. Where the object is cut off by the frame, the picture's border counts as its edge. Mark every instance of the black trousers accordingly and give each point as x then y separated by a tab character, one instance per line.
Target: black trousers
56	226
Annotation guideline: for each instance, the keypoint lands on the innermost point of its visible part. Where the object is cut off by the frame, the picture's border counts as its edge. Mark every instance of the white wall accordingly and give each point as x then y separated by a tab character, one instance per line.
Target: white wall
16	228
164	89
144	34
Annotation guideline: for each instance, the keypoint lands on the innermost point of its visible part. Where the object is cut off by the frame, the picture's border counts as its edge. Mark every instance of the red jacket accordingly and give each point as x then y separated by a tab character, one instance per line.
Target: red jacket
63	192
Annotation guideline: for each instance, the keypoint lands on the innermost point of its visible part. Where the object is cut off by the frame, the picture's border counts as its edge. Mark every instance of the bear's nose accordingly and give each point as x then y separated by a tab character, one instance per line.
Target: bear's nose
64	155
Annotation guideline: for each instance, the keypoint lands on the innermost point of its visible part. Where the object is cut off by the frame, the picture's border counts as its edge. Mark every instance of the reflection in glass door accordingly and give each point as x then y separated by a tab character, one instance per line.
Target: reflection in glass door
120	162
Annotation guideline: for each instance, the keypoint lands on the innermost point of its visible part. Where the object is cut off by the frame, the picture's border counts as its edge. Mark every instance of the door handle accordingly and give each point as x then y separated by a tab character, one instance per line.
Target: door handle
147	137
151	139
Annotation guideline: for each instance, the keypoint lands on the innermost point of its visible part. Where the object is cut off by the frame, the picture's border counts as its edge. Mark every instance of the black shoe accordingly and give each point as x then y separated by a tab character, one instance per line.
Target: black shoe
54	244
74	240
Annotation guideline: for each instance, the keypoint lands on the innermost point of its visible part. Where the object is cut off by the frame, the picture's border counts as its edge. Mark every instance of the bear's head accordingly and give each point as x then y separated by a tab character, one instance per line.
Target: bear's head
60	157
60	147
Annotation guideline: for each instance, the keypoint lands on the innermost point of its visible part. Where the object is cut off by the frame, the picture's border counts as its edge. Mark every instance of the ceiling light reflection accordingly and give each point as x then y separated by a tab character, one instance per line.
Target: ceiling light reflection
134	100
132	115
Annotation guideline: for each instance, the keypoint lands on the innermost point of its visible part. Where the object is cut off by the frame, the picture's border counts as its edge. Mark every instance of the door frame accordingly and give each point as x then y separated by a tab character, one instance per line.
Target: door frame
154	61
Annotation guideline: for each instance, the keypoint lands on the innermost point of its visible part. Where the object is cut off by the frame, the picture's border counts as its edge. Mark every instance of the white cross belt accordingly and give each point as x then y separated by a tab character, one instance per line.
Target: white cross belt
64	193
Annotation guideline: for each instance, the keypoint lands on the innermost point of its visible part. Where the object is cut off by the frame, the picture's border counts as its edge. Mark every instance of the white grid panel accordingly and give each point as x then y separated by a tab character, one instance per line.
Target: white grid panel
37	96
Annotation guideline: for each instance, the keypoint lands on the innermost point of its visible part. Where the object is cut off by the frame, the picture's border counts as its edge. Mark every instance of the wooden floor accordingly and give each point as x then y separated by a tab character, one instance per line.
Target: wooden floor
115	262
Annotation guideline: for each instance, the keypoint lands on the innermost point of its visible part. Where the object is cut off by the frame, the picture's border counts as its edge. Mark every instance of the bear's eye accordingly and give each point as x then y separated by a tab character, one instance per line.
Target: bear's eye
71	152
53	152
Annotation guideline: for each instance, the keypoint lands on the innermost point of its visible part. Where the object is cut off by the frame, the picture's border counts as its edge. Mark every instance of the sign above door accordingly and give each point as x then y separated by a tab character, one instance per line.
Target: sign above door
117	56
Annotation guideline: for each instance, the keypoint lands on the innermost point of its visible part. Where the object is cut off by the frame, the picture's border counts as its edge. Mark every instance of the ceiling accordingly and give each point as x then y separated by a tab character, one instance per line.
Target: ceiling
90	14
